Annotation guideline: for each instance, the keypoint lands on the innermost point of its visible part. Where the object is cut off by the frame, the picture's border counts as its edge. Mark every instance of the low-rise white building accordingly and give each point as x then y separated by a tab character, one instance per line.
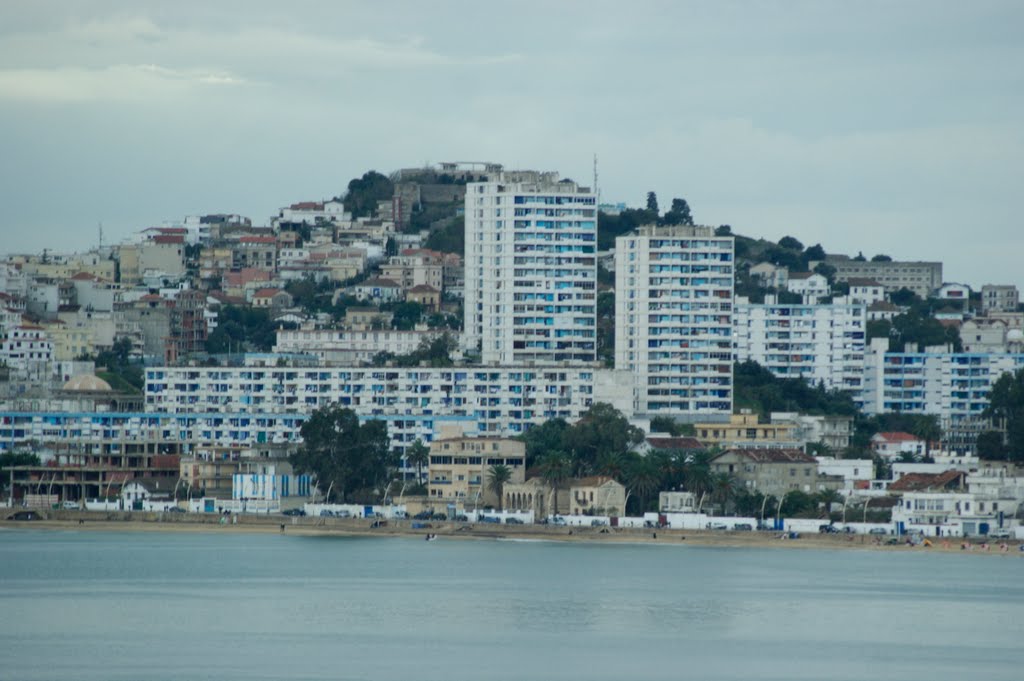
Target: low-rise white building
811	285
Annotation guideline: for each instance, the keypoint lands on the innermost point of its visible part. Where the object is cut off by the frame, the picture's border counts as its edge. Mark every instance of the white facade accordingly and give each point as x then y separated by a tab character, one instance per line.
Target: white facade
819	343
950	385
27	351
334	347
995	298
489	400
531	270
674	317
811	286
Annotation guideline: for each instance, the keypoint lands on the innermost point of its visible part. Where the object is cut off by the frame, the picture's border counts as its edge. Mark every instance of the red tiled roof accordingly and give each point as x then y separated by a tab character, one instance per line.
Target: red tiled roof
267	293
167	239
84	276
380	281
771	455
860	281
423	288
307	205
915	482
897	437
675	443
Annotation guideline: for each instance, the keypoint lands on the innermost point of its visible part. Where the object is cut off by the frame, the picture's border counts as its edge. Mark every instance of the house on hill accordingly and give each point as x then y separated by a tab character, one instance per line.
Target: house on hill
893	445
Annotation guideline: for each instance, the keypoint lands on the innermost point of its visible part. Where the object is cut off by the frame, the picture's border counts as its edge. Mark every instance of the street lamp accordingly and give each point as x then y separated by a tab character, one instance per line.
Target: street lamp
778	511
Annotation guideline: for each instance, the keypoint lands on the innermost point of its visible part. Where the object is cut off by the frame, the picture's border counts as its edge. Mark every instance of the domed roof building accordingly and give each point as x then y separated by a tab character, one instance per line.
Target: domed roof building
87	383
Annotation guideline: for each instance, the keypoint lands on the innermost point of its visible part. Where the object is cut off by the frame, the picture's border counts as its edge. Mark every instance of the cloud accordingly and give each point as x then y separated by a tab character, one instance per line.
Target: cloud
114	83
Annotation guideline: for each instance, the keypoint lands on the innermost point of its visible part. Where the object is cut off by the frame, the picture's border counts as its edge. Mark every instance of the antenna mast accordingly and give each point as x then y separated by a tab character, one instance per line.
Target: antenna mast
597	192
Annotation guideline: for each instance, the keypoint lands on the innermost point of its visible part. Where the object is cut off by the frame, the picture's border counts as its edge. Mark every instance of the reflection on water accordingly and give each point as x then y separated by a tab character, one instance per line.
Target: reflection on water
169	606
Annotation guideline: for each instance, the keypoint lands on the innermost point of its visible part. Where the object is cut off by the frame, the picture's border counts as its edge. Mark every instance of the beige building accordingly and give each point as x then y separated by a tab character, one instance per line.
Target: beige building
774	472
597	495
458	469
746	430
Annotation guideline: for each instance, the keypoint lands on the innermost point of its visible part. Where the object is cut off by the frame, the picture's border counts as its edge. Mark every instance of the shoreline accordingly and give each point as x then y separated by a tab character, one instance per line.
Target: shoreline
319	527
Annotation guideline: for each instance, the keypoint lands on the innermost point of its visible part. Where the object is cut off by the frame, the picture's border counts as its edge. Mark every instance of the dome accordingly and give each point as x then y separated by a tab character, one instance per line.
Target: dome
87	383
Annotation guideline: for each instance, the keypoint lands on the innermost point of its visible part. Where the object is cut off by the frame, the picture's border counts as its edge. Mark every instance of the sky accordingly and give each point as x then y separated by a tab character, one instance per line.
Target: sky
879	127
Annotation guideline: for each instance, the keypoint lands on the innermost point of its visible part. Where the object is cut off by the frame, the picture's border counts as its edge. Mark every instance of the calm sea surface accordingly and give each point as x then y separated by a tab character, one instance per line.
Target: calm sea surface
154	606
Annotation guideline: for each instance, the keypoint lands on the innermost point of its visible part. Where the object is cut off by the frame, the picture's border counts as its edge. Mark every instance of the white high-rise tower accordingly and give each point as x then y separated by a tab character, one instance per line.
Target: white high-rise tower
673	318
531	269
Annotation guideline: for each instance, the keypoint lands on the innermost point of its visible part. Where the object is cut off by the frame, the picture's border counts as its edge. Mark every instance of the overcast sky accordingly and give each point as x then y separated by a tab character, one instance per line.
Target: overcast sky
885	127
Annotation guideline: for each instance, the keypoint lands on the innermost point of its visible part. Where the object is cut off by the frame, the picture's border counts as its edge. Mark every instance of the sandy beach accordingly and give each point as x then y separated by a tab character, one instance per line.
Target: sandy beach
308	526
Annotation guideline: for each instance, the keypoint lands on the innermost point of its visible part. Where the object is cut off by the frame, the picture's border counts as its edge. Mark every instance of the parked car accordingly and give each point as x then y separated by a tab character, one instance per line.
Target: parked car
25	515
462	518
828	529
1000	533
326	513
513	521
597	522
717	526
343	513
558	520
743	527
423	515
438	516
294	512
384	523
70	505
490	519
878	530
176	509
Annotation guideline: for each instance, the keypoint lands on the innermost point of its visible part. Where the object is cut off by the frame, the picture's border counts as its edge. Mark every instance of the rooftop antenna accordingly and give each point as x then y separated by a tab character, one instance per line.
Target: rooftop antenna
597	192
101	233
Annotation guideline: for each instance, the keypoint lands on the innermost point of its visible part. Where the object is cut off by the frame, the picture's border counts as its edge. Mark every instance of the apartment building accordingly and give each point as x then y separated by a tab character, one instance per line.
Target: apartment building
531	269
953	386
493	401
674	319
999	298
920	277
458	468
818	343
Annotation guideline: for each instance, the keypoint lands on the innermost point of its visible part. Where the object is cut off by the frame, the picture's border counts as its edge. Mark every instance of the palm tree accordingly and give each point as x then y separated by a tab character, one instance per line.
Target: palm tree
698	478
723	488
644	477
418	455
829	497
555	468
497	476
611	464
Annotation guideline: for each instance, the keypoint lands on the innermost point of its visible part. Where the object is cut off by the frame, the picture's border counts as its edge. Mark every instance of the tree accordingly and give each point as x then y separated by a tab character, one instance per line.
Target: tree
723	230
1006	407
497	476
643	479
418	455
555	468
829	497
990	445
364	193
666	424
600	429
652	203
543	439
881	257
791	243
344	455
678	214
723	489
815	252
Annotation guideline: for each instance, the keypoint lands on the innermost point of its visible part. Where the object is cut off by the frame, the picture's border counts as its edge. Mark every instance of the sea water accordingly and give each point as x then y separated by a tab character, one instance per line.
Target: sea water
159	606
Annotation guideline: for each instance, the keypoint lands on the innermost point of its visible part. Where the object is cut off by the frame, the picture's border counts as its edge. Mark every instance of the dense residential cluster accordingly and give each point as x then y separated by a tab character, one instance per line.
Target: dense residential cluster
467	308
